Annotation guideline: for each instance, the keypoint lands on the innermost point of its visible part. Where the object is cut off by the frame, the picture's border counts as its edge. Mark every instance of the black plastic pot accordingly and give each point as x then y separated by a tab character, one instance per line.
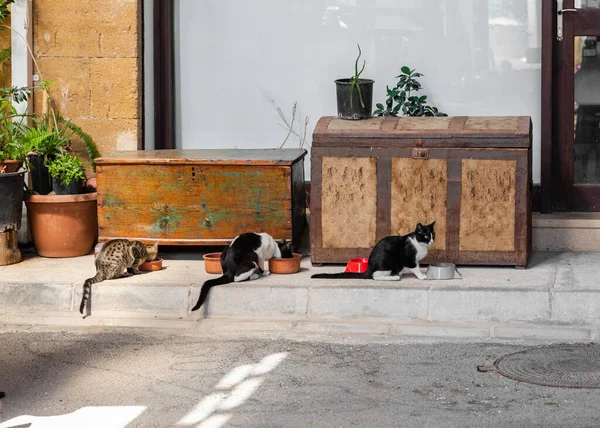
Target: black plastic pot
75	187
354	110
11	195
41	181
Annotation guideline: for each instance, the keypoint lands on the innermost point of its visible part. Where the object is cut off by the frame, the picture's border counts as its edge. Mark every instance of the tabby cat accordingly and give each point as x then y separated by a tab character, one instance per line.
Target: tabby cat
117	257
392	255
244	259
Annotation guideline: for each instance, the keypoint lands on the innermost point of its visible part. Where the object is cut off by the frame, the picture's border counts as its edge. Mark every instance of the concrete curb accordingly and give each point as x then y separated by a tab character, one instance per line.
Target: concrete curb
556	298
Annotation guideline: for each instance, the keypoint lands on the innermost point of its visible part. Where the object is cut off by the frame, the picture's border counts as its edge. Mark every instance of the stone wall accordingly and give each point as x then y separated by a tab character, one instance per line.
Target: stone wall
91	50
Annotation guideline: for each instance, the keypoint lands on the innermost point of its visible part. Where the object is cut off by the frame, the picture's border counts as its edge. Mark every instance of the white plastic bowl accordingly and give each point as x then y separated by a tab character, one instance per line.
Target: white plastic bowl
442	271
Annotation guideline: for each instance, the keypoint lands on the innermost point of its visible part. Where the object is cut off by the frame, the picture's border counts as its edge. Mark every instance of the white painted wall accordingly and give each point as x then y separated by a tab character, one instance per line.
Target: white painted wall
236	60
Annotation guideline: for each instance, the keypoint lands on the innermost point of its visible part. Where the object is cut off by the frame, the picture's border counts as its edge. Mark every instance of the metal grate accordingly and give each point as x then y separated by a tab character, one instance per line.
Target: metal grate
565	366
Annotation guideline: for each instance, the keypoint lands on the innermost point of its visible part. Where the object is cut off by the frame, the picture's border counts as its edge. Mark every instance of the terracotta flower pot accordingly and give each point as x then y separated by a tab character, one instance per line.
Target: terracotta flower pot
8	166
152	265
212	263
285	266
63	225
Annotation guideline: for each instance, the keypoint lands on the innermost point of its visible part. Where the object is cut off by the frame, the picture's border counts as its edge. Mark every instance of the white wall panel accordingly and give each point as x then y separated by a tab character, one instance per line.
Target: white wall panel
236	60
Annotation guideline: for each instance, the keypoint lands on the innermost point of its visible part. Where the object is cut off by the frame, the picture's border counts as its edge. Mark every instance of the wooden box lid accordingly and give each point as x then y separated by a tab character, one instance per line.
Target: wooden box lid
450	132
205	156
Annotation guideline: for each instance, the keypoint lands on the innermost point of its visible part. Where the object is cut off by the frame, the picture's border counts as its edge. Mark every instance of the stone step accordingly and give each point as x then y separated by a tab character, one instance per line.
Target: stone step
557	297
566	232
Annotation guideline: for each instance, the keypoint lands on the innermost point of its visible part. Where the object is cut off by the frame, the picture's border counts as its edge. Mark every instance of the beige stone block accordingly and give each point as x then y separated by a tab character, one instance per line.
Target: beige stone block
115	87
70	93
100	28
110	135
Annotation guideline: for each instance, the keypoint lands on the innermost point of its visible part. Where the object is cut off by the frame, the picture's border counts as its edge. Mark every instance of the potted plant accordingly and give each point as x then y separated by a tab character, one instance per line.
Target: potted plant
67	172
64	223
355	95
400	99
46	138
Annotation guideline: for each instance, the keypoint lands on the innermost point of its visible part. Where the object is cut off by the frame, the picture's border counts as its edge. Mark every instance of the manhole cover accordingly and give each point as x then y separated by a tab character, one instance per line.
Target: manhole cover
567	366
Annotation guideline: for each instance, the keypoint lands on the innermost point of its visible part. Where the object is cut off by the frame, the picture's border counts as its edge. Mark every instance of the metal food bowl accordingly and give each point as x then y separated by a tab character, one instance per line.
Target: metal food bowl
442	271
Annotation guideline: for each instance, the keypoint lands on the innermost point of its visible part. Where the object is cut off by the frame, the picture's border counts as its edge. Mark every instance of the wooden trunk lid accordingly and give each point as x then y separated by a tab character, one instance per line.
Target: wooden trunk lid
442	132
205	156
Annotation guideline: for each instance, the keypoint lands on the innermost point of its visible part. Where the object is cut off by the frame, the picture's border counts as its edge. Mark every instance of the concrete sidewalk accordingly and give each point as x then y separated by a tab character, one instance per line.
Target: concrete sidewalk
556	298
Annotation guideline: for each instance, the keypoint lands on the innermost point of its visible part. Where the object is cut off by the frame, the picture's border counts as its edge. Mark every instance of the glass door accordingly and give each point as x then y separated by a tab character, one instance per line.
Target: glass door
577	86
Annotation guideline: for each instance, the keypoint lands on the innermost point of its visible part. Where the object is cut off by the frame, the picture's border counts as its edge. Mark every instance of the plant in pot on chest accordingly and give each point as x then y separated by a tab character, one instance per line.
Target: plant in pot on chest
354	94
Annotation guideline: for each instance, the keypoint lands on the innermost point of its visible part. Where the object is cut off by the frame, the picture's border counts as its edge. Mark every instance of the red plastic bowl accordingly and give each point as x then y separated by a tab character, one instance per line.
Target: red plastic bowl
357	265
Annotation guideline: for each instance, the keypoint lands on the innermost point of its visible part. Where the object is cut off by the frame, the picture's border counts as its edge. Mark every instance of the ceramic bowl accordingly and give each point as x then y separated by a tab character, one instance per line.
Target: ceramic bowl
212	263
285	266
442	271
152	265
358	265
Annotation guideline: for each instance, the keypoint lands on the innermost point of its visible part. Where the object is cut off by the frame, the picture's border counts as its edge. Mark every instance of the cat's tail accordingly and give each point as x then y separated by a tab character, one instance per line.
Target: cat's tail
347	275
87	289
225	279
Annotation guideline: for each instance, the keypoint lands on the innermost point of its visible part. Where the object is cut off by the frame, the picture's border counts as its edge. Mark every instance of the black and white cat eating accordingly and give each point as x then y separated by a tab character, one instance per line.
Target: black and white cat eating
244	259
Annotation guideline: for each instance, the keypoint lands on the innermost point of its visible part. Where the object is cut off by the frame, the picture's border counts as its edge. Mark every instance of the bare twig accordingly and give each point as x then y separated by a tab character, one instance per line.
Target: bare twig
291	126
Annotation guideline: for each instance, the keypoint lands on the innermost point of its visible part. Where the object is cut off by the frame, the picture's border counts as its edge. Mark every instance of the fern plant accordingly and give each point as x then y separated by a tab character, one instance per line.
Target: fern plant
51	133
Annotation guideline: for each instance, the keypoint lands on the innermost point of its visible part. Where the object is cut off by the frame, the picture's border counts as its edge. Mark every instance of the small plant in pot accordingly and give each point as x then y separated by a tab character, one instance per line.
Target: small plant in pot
67	172
355	95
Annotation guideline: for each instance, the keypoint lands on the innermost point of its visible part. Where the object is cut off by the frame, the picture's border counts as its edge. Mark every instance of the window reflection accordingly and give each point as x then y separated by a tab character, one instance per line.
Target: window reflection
587	110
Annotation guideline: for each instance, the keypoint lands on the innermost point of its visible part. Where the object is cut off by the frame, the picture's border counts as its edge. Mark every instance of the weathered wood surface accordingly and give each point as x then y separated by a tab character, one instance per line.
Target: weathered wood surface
457	132
487	218
198	201
472	175
205	156
349	198
9	248
419	195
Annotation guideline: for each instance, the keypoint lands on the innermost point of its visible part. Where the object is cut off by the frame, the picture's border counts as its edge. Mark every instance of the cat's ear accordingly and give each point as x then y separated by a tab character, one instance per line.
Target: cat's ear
419	227
431	225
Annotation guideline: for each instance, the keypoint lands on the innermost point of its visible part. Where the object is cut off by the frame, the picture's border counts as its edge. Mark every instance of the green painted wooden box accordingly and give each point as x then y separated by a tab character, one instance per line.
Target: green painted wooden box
201	197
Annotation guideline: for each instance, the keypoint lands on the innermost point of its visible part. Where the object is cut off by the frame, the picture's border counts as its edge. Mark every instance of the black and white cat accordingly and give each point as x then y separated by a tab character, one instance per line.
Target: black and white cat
392	254
244	259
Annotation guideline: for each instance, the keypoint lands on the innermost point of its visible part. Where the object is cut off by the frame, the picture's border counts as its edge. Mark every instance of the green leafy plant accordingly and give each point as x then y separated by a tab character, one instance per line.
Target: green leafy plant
354	80
400	99
12	127
66	167
51	133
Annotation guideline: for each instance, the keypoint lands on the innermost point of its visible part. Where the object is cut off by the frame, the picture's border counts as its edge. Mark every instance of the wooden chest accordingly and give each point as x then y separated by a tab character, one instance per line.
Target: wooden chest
200	197
382	176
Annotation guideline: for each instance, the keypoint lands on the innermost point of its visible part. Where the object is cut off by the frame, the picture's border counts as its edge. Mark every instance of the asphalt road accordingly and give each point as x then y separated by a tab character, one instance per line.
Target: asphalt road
155	378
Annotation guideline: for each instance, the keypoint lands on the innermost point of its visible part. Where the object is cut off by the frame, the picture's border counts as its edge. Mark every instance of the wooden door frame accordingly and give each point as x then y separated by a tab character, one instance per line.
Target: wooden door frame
164	74
555	194
547	104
